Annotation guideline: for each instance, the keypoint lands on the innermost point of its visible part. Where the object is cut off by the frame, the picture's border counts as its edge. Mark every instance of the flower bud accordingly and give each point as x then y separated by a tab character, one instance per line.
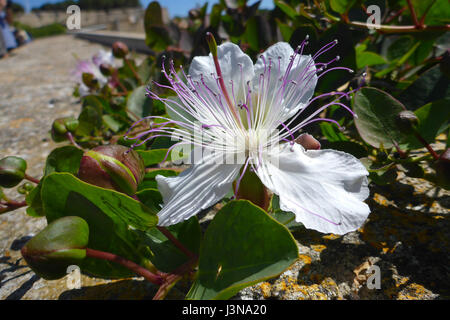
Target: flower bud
407	121
119	50
89	80
12	171
442	167
308	142
61	126
25	188
106	69
61	244
112	167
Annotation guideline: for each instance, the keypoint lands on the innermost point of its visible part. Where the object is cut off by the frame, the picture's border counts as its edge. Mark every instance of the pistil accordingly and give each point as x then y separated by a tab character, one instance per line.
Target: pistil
213	48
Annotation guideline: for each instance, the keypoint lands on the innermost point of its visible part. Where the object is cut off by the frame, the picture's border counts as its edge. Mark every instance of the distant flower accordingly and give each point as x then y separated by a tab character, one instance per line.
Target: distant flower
93	67
239	107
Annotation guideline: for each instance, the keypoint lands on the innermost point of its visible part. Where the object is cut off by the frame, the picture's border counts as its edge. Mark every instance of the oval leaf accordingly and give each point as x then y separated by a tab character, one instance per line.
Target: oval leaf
376	112
242	246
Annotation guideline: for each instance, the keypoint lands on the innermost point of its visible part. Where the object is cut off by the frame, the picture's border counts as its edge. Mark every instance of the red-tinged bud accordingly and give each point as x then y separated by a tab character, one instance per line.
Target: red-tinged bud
106	69
112	167
119	50
89	80
61	126
308	142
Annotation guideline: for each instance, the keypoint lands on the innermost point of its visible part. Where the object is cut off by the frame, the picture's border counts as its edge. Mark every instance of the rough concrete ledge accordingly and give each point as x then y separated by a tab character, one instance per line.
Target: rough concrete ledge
134	41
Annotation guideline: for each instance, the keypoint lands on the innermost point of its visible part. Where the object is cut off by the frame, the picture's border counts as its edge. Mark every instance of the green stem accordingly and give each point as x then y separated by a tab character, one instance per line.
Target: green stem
72	140
171	279
11	206
34	180
413	15
422	19
128	62
139	270
427	145
176	242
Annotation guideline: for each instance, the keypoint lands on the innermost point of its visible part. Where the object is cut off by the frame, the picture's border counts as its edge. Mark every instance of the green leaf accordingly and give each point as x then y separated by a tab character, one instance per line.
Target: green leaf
291	12
430	86
434	119
216	13
354	148
399	47
157	35
90	121
149	178
154	156
330	132
111	123
285	218
165	256
34	202
96	102
64	159
438	14
115	220
242	246
369	59
138	104
152	198
341	6
145	68
376	112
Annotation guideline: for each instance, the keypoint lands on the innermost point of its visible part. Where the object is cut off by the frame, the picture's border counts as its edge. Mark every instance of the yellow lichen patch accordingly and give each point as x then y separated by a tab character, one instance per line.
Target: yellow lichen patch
331	236
266	289
318	247
413	291
401	281
380	199
306	259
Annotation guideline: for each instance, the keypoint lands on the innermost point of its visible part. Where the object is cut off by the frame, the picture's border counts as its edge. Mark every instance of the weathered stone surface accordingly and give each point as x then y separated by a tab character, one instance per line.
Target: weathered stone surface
406	235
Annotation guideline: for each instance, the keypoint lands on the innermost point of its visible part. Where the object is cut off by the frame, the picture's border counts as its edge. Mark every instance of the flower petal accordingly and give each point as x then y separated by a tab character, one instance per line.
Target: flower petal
324	188
302	72
195	189
235	66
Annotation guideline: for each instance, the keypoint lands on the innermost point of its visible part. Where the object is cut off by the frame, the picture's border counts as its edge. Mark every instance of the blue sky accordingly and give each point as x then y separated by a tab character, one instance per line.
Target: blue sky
176	7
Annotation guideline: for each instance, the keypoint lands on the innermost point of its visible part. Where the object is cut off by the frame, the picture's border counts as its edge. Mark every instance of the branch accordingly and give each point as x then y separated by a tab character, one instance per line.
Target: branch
413	15
400	29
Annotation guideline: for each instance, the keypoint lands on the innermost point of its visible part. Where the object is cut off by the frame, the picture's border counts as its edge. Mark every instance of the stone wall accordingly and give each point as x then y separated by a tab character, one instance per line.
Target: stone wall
126	19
